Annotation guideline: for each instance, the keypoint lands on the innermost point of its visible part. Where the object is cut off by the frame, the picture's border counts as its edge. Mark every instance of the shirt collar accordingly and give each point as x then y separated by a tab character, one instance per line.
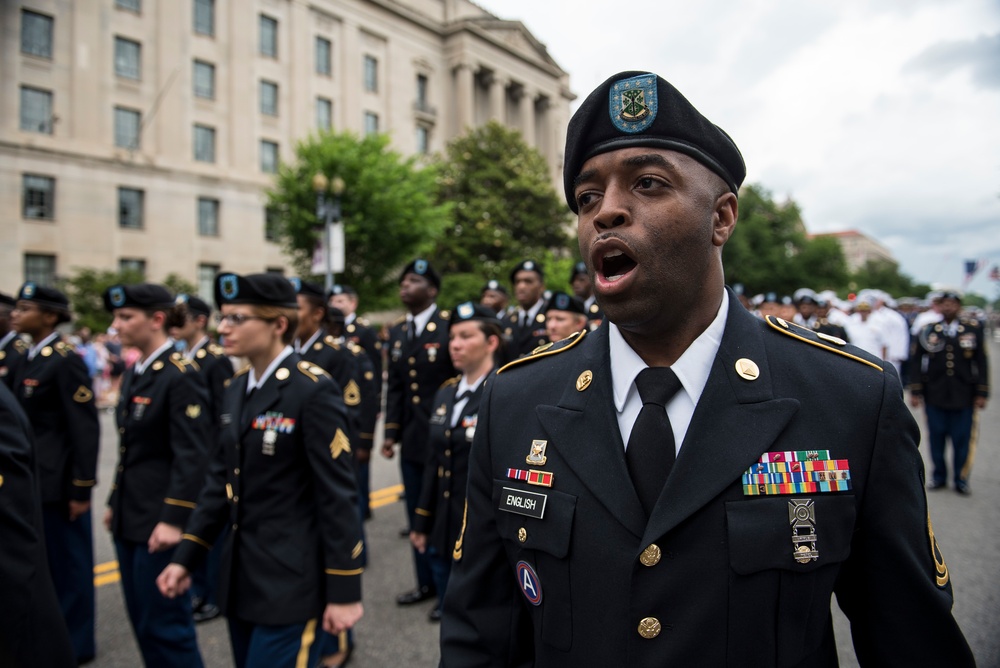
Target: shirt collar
253	383
7	338
533	311
140	365
308	344
41	344
421	319
198	346
349	318
692	367
463	385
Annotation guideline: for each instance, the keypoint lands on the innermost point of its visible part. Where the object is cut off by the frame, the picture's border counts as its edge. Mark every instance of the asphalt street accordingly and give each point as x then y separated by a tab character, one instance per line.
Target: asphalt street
967	528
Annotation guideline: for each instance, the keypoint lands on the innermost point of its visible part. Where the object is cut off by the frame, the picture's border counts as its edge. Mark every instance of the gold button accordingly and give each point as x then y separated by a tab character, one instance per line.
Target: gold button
412	360
416	400
446	494
447	453
236	471
414	387
950	356
949	364
649	627
950	372
235	527
236	499
121	430
121	468
651	555
447	474
413	373
522	535
447	433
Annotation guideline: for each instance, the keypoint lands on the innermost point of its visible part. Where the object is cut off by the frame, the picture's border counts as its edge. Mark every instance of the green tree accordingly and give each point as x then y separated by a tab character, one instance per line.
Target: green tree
390	210
85	291
885	275
506	209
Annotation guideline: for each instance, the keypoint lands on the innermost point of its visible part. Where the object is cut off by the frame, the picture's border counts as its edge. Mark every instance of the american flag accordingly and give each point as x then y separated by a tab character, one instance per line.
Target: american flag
995	273
972	267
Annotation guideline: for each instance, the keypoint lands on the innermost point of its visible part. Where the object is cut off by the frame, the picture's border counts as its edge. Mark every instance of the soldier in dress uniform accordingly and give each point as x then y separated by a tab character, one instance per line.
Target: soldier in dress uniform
418	363
357	330
283	481
823	325
32	630
165	434
494	296
12	346
54	388
215	366
583	289
524	326
642	495
950	376
475	342
565	315
805	307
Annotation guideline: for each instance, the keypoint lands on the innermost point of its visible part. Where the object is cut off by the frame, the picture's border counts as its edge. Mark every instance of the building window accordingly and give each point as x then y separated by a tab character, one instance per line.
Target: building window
277	271
371	123
208	217
204	17
204	79
128	58
423	140
421	92
129	265
36	110
324	113
268	156
268	98
204	143
206	281
130	5
39	194
40	269
324	61
371	74
272	223
127	128
36	34
130	202
268	36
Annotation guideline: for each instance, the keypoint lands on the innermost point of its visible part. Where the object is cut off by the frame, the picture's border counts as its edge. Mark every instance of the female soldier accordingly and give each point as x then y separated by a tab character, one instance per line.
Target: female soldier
474	338
164	431
53	386
284	471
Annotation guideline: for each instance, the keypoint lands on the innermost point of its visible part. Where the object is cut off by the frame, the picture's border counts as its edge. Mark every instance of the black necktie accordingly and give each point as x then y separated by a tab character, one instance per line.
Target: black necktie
650	453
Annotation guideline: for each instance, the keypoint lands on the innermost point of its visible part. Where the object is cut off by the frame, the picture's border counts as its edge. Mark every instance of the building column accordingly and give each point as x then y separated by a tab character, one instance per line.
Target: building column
498	98
464	96
528	116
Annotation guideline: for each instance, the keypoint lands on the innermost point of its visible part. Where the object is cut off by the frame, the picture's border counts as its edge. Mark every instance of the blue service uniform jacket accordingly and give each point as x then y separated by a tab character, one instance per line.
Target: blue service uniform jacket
339	362
165	431
10	355
583	585
284	482
54	390
522	340
417	369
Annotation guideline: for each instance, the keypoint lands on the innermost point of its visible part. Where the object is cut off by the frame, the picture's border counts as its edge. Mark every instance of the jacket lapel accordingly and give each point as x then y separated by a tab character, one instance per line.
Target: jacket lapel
571	425
736	420
268	394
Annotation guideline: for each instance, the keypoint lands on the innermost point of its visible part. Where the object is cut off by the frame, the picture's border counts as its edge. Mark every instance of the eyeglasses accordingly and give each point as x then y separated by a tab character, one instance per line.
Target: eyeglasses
237	319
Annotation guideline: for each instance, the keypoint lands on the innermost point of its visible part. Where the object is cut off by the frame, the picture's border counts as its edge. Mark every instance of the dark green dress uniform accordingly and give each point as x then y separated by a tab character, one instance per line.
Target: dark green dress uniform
574	574
339	362
359	332
950	370
524	337
32	631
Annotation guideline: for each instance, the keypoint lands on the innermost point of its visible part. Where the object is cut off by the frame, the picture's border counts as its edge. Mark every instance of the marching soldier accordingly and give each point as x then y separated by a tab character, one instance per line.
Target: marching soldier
494	296
950	373
525	325
165	430
823	325
12	346
283	481
583	289
418	364
475	341
357	330
53	386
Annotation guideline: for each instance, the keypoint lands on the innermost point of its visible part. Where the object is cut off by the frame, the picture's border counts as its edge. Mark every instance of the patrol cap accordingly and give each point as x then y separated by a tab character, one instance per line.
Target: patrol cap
642	109
195	305
48	298
527	265
342	290
578	268
138	295
307	288
421	267
258	289
950	293
7	300
560	301
493	285
471	311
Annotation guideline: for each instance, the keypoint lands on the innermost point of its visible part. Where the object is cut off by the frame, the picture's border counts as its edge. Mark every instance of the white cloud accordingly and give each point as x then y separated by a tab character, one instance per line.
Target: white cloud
881	119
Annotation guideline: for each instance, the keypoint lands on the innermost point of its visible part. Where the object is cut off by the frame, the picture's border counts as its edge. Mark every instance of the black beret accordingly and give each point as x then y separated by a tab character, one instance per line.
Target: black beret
578	268
195	305
48	298
560	301
527	265
642	109
258	289
342	290
307	288
493	285
421	268
472	311
138	295
7	299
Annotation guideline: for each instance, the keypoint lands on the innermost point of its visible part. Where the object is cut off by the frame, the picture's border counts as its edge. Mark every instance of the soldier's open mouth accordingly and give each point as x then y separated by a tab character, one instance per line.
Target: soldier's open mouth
616	264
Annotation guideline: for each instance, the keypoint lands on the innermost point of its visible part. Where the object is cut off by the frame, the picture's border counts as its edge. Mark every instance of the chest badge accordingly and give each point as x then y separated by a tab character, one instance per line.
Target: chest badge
536	455
802	517
529	583
270	438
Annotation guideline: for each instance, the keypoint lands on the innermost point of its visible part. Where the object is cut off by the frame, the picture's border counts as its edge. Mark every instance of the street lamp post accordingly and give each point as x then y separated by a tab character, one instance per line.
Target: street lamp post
328	210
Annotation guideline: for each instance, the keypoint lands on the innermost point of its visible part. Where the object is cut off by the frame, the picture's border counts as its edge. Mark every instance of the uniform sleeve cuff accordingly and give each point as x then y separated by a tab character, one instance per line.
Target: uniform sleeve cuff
343	586
176	512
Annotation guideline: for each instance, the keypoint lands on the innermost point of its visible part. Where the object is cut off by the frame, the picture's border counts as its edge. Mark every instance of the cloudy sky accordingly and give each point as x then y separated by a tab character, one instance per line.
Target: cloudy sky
882	117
